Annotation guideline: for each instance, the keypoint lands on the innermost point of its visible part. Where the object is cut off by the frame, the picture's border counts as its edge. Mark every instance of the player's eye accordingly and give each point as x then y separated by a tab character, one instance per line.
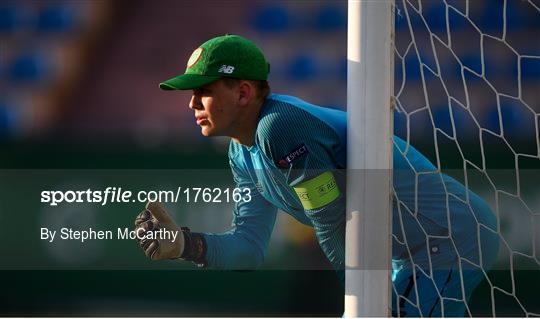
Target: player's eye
201	91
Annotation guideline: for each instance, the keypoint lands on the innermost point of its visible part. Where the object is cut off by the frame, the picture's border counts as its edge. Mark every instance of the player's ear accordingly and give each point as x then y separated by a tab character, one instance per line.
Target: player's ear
245	93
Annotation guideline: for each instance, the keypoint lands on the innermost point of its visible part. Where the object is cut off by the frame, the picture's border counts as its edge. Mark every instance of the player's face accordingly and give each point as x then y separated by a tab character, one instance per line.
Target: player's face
215	109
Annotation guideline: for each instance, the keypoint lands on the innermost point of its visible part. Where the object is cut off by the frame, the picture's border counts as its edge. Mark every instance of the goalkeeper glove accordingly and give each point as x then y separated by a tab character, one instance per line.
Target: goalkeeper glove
153	219
188	246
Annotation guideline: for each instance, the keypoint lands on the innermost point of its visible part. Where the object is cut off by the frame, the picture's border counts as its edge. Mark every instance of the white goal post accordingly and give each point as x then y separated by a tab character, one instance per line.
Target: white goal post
466	97
370	131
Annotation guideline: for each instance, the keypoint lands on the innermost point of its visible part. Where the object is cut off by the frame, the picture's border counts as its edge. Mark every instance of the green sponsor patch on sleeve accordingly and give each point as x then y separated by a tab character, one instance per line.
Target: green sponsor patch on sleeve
318	192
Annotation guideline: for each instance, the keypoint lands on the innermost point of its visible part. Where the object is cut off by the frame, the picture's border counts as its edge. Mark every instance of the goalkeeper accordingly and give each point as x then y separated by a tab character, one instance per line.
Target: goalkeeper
292	156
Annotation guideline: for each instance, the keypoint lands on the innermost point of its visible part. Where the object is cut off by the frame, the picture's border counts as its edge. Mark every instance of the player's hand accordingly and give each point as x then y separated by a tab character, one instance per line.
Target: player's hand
152	219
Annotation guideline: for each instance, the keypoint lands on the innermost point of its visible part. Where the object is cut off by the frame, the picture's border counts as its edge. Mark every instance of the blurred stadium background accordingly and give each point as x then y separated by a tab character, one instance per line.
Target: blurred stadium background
79	90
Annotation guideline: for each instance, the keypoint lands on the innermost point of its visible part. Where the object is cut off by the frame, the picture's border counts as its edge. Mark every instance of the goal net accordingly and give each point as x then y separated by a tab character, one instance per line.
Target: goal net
467	96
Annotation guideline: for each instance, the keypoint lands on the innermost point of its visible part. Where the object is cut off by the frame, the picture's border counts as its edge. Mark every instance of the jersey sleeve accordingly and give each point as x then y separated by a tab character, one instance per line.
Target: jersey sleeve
299	144
244	246
304	149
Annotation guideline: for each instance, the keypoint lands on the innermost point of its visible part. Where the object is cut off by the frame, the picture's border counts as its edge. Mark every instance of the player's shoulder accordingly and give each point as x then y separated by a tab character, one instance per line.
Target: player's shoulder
283	116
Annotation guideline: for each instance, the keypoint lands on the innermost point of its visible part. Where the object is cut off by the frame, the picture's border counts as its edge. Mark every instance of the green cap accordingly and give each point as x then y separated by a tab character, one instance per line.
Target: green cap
225	56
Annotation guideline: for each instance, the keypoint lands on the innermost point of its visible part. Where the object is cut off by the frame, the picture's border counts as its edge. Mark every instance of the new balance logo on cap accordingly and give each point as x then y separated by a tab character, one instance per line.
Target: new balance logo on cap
228	69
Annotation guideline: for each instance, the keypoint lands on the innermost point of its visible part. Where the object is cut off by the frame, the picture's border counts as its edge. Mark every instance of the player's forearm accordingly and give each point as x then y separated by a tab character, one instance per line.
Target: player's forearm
232	251
195	247
332	242
329	225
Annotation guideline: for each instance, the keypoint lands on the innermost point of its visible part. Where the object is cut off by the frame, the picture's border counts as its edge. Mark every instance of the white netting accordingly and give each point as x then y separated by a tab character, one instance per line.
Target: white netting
467	83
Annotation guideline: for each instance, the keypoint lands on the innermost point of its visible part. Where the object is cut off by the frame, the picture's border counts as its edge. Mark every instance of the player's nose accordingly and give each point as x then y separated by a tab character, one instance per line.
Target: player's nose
195	103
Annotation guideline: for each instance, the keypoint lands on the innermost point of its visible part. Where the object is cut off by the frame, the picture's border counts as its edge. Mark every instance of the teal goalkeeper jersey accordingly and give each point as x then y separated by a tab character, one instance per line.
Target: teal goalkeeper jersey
297	164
